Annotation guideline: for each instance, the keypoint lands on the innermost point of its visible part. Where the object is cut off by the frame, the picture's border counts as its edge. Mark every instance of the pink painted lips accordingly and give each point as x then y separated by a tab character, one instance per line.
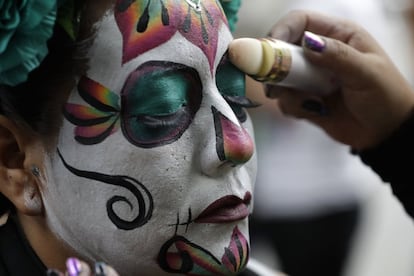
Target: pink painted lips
226	209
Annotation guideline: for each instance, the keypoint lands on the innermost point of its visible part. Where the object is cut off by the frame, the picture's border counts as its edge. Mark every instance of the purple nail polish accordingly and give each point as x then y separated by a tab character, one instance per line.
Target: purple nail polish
313	42
74	266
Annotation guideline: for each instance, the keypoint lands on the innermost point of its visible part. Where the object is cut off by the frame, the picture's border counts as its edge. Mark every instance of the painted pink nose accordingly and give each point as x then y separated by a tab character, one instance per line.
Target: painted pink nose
233	143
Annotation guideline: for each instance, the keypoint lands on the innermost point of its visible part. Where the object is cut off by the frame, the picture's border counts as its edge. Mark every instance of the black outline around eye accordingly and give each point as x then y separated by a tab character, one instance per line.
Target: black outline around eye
237	103
174	124
241	101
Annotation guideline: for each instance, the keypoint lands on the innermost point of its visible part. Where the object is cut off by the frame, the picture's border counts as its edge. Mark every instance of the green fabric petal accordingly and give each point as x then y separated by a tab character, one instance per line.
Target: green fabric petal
26	48
34	13
10	19
231	9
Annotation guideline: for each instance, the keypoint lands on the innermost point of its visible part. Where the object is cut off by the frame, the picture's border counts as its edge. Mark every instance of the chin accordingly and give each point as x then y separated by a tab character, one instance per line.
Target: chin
209	249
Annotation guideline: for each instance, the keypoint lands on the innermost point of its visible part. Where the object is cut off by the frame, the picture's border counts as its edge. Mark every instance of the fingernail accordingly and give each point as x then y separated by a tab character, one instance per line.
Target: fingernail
100	269
52	272
313	42
73	266
315	106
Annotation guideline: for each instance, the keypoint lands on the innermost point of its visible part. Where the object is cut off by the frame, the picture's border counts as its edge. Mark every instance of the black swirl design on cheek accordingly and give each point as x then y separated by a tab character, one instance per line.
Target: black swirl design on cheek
144	198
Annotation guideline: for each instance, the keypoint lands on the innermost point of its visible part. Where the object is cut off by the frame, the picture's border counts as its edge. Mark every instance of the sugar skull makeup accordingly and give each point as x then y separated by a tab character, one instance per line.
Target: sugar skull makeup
155	165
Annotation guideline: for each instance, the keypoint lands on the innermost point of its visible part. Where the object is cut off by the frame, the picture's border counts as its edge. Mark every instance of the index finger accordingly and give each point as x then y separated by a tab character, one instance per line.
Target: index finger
291	27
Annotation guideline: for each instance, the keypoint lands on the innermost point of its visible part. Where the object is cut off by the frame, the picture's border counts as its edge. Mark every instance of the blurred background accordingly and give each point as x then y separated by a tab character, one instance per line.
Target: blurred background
318	210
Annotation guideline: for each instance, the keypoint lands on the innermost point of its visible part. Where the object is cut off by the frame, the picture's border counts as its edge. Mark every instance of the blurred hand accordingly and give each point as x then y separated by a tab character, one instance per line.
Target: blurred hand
373	99
76	267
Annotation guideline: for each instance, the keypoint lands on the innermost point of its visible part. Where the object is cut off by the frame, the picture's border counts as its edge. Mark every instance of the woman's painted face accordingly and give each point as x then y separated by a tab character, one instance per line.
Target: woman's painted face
155	165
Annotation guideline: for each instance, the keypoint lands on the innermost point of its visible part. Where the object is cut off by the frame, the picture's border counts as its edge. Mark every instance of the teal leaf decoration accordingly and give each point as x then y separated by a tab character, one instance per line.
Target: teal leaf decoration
25	27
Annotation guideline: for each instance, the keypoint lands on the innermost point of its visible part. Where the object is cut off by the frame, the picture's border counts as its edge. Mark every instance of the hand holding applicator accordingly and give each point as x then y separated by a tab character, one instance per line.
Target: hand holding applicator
279	63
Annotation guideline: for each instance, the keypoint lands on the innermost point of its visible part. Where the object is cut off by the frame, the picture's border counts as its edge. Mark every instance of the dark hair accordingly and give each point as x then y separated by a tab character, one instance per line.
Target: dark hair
34	102
37	103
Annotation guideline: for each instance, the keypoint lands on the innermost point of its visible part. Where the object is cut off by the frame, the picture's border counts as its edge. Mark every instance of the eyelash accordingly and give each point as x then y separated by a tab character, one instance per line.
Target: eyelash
239	102
163	121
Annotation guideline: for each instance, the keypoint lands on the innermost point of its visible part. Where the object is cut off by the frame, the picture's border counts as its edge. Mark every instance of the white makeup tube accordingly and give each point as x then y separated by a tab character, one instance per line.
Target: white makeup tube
279	63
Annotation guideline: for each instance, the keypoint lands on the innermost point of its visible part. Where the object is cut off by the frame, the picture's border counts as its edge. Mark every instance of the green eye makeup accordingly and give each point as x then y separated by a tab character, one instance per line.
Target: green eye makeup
231	83
159	102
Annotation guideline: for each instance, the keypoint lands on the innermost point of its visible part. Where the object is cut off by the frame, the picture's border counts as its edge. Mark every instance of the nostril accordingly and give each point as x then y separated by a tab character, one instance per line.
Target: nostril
233	142
228	164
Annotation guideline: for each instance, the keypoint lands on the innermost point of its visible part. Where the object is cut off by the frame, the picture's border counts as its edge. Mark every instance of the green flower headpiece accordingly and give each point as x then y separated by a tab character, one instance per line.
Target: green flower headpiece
25	28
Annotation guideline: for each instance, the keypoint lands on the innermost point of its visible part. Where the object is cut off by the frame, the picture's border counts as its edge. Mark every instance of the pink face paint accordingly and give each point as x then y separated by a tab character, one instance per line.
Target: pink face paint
233	143
147	24
236	254
201	25
179	255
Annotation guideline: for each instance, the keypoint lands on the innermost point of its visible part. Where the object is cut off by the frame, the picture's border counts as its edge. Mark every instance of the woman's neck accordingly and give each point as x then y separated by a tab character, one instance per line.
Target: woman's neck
47	246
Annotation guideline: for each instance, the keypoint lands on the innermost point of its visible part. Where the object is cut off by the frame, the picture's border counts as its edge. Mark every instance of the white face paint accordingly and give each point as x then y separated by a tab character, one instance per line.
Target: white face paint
161	164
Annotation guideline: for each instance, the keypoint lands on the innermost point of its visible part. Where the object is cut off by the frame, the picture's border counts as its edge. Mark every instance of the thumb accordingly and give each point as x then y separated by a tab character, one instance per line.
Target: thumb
344	61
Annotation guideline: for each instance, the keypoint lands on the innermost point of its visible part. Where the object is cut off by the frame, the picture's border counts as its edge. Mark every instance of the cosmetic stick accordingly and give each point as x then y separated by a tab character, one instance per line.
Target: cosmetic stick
280	63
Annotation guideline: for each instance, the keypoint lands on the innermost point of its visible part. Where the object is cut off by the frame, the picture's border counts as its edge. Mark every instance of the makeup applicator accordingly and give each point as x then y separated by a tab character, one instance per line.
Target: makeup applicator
280	63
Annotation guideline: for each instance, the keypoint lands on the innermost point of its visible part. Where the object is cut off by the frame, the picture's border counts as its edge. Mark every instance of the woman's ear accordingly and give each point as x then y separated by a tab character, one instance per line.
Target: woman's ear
20	154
